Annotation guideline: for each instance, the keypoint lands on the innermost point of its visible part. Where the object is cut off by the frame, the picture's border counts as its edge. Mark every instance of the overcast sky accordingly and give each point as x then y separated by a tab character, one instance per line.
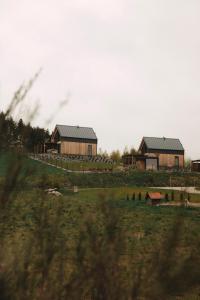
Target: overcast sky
130	68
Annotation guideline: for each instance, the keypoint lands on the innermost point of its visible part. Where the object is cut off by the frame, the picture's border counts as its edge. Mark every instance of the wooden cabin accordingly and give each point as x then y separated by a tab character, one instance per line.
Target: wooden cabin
168	151
74	140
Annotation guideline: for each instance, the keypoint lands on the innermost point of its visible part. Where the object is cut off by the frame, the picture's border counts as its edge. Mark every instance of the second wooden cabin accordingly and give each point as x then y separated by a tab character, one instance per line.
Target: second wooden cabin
157	153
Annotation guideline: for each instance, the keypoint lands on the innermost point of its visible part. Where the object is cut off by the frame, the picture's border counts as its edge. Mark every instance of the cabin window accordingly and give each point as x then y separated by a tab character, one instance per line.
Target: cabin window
90	150
151	164
176	161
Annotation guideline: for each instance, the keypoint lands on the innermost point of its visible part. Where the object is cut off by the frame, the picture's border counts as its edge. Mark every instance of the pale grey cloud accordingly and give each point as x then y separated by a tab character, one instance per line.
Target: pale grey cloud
132	67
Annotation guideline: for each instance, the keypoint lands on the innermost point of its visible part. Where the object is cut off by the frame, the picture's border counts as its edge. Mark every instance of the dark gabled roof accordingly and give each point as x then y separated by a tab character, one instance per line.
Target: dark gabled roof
76	132
163	143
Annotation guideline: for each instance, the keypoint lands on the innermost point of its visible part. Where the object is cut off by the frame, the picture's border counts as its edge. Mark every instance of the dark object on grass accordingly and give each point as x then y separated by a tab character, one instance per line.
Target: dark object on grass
189	197
181	197
166	197
172	196
139	196
133	197
127	197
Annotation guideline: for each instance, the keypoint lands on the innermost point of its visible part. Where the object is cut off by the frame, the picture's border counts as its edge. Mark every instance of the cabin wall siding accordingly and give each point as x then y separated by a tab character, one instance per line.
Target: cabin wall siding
168	160
77	148
140	165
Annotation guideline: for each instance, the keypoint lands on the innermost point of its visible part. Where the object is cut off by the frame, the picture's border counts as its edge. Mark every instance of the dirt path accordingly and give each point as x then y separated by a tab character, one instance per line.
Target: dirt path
190	190
178	204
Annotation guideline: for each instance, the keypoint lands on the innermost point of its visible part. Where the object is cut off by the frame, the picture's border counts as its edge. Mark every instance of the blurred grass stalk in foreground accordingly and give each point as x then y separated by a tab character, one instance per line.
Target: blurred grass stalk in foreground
38	261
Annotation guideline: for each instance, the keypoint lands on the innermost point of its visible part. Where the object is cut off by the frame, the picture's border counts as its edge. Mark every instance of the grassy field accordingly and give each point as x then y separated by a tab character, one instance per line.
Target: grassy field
6	161
77	220
36	172
99	243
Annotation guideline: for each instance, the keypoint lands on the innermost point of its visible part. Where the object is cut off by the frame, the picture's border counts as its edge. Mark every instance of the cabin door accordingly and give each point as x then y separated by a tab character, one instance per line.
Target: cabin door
89	150
176	161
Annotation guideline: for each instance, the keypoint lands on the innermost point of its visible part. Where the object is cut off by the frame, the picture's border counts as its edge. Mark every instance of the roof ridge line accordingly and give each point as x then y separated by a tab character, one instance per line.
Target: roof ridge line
74	126
154	137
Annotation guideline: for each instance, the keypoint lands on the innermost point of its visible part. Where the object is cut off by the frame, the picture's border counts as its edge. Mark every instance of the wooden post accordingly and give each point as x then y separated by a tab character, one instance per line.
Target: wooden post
75	189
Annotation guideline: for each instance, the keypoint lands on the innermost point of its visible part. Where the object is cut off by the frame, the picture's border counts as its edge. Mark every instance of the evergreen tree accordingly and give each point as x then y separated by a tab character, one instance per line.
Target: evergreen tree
11	132
20	129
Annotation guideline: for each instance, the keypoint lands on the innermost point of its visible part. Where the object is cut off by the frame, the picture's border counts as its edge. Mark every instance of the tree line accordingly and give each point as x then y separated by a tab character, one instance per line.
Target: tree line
116	155
13	133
